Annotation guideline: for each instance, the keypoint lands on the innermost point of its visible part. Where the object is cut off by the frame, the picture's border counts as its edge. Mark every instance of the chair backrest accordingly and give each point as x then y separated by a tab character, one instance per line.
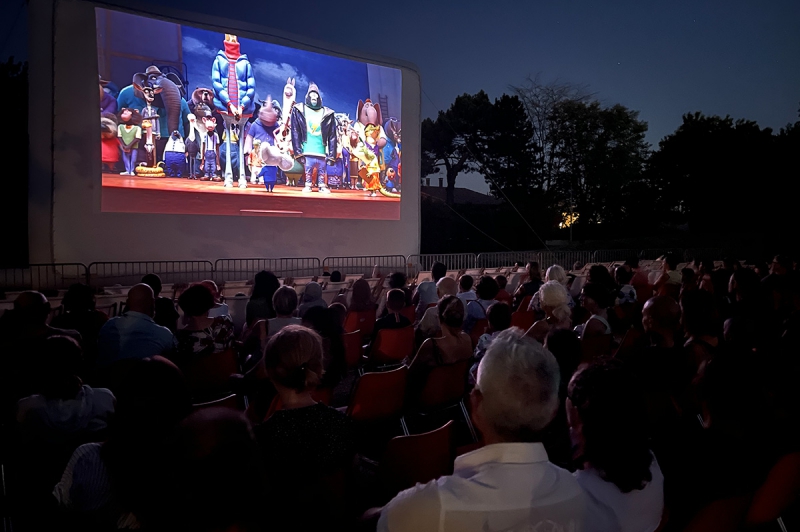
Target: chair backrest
363	321
229	401
210	373
379	395
523	305
392	345
596	347
523	319
779	491
409	312
477	331
445	385
724	515
352	348
418	458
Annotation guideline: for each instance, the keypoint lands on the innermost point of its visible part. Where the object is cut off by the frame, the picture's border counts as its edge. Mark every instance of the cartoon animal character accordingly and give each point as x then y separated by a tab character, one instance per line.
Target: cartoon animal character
391	180
108	104
392	149
129	134
149	112
168	88
368	113
204	97
210	150
282	135
367	152
149	144
272	156
313	131
175	155
109	144
192	146
339	172
234	89
269	176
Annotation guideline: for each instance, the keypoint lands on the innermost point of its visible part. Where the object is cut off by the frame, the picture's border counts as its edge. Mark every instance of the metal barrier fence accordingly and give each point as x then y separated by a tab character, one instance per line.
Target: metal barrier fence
565	259
612	255
505	258
453	261
129	273
43	277
246	269
363	265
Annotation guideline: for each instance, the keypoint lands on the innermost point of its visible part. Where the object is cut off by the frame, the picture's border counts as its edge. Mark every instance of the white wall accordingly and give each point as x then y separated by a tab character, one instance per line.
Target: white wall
65	222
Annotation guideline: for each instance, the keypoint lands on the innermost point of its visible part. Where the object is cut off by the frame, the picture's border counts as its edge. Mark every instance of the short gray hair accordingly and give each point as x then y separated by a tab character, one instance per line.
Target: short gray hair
518	379
556	273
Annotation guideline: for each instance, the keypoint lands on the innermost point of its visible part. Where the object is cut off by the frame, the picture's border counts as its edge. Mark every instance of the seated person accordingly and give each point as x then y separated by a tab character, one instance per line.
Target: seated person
502	294
361	299
165	314
553	273
627	293
509	481
134	334
395	302
465	291
220	308
325	321
429	324
305	444
284	301
554	302
499	316
65	409
312	297
80	315
668	284
397	280
260	305
533	280
607	415
595	299
476	310
203	335
452	346
426	292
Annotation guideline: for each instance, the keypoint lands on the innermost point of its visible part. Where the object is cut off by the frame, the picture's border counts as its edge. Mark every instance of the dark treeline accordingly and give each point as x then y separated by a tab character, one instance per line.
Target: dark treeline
558	154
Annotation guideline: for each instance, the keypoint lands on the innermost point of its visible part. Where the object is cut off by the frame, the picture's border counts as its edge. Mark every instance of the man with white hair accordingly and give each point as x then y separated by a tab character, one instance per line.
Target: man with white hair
508	484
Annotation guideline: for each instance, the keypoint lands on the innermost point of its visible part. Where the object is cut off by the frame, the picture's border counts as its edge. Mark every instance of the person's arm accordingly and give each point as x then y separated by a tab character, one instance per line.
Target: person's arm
593	329
661	281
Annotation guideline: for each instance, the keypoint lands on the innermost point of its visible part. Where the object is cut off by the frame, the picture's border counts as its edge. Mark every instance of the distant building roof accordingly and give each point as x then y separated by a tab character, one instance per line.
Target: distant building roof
460	195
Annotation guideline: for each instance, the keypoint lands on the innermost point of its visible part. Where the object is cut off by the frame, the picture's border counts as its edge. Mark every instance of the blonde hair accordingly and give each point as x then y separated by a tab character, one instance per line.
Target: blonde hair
293	358
553	295
556	273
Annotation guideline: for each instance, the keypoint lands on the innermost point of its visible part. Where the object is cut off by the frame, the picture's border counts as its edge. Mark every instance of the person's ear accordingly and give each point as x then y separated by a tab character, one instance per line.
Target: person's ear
475	400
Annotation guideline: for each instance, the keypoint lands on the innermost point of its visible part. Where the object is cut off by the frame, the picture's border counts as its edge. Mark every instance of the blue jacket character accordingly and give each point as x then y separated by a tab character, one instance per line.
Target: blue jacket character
243	93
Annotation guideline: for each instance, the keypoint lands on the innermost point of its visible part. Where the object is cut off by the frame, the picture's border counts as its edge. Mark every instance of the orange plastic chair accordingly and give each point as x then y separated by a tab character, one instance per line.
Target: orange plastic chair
478	330
523	319
523	305
779	492
418	458
352	348
210	373
445	387
363	321
410	313
392	346
725	515
379	396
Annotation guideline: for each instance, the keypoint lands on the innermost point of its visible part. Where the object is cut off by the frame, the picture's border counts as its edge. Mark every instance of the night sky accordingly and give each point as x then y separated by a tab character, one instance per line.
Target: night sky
664	59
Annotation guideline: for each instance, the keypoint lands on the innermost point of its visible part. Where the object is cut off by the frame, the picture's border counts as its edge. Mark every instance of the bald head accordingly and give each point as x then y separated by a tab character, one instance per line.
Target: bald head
141	299
446	286
32	308
661	314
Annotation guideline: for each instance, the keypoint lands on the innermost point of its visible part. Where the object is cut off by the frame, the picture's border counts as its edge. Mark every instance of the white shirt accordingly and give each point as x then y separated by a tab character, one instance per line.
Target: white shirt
505	487
427	294
610	509
466	297
220	309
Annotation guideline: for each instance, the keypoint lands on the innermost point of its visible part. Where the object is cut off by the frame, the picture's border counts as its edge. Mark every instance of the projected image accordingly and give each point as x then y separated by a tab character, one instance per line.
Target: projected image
199	122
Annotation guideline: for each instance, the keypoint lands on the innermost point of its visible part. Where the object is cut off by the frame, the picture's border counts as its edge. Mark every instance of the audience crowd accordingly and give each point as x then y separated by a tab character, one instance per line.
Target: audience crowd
607	398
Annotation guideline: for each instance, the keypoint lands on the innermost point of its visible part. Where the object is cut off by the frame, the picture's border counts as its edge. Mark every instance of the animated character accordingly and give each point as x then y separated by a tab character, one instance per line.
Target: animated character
368	113
368	155
129	134
234	153
255	162
391	180
313	131
234	89
192	146
269	176
169	101
264	130
108	104
175	155
210	150
109	144
391	151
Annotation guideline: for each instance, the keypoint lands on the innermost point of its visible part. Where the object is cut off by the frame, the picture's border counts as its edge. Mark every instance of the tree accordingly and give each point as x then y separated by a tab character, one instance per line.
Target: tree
453	140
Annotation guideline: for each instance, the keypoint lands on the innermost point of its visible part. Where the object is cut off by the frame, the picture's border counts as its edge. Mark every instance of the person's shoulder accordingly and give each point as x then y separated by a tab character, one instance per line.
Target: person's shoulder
417	508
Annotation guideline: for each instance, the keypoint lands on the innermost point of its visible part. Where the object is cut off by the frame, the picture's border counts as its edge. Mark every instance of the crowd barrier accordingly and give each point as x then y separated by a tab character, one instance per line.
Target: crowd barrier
52	277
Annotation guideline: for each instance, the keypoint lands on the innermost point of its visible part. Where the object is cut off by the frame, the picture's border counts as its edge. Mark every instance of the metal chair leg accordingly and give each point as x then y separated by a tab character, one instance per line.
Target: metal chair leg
468	420
403	424
781	524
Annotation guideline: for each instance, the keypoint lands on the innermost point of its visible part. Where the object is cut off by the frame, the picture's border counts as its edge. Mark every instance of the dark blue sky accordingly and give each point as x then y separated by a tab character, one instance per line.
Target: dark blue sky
663	59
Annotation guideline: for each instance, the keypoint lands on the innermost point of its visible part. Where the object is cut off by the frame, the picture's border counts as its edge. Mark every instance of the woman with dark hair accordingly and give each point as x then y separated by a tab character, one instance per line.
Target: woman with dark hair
361	299
305	444
398	281
106	485
260	305
608	427
487	290
596	299
202	335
